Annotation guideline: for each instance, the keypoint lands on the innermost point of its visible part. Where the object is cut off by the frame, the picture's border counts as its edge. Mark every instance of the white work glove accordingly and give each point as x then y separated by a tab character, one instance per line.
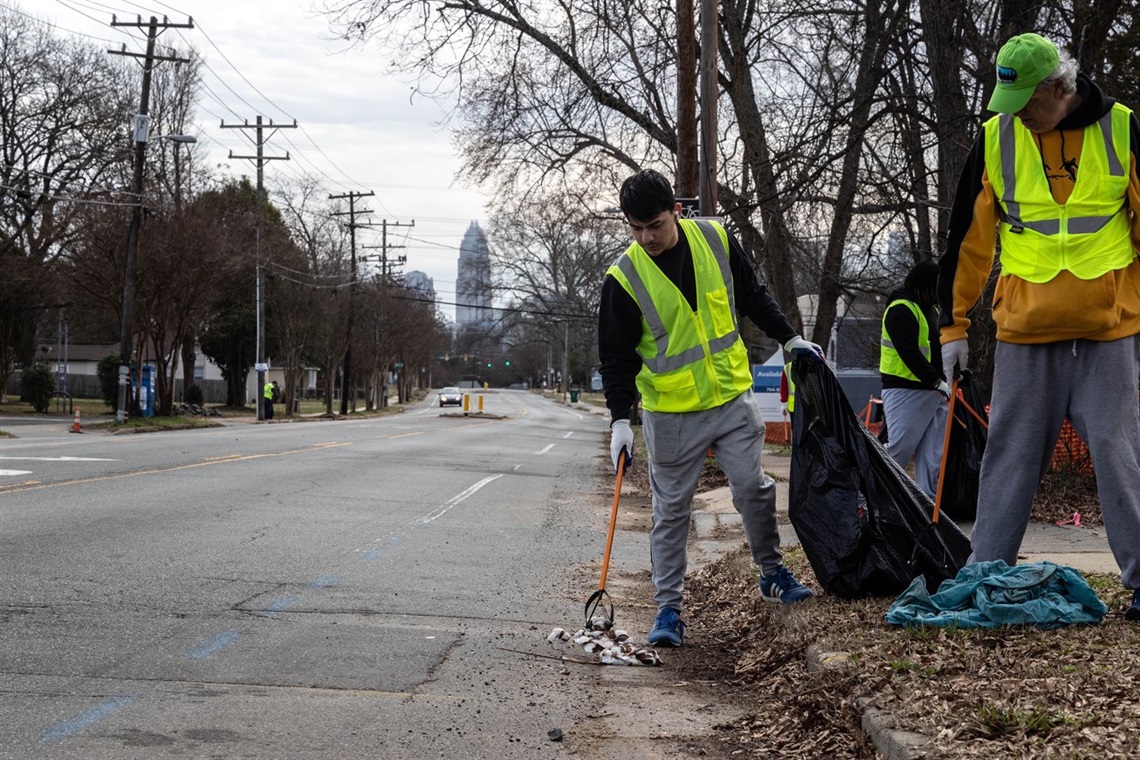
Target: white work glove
621	439
797	346
955	352
944	388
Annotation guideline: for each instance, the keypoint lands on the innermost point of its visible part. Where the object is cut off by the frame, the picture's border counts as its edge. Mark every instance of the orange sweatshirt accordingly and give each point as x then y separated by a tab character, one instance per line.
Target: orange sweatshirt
1065	308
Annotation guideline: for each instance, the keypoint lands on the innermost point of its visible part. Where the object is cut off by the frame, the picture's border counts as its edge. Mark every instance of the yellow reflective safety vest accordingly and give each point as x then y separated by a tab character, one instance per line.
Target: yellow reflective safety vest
890	363
691	360
267	391
791	404
1090	234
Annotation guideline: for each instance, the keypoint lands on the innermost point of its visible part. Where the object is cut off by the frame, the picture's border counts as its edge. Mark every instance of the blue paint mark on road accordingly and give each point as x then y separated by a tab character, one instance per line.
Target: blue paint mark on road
279	606
373	554
323	582
395	540
86	720
221	641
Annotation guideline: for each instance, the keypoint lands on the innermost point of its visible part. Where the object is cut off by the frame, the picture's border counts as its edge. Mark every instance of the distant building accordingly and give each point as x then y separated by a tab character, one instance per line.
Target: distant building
473	283
420	282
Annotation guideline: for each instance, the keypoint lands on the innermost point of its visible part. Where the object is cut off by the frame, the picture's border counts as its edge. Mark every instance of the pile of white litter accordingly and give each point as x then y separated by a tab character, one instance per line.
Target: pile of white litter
611	646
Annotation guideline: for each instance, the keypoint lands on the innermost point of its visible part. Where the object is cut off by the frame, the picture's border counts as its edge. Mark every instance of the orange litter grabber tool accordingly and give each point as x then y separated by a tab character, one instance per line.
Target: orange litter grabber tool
599	607
945	448
956	398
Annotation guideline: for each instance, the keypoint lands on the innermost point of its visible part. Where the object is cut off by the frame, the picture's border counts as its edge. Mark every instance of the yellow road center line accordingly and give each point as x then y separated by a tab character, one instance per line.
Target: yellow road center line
17	488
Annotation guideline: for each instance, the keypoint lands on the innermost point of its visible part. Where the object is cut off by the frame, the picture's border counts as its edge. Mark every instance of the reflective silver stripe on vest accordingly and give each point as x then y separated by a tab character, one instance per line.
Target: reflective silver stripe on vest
1010	209
1008	170
661	363
885	343
1086	225
1114	167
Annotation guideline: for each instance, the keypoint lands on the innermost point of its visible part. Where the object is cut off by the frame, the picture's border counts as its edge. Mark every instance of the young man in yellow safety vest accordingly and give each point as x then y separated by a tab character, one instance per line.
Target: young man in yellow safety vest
669	327
910	366
1052	178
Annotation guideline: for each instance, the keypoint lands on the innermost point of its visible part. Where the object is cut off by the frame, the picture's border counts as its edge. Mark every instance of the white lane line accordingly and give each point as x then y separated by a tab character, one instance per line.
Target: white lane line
454	500
548	448
57	459
13	473
568	434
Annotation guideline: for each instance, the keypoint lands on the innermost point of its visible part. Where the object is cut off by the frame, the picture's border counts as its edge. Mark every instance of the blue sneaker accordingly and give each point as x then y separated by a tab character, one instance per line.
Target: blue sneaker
782	586
1133	612
668	629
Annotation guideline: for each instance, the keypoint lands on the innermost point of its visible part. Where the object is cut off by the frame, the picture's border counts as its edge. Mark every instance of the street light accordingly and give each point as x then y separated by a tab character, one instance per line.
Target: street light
141	132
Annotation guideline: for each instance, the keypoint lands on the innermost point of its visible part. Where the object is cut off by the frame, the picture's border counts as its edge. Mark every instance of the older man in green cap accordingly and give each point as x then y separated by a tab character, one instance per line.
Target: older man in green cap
1052	178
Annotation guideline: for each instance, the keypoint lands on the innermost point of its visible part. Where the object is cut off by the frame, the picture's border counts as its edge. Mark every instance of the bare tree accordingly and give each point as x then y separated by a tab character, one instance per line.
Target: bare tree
550	254
312	301
843	127
62	106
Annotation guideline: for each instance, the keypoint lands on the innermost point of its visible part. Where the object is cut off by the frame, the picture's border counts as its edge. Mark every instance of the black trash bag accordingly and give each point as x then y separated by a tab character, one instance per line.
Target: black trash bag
864	525
964	454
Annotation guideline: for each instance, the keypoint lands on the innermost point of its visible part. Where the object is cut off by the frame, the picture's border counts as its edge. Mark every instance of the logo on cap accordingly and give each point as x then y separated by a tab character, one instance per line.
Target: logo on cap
1006	75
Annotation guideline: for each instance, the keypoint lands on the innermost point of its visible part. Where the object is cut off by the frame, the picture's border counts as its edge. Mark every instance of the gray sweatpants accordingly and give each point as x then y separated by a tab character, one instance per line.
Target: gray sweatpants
1092	383
916	427
678	444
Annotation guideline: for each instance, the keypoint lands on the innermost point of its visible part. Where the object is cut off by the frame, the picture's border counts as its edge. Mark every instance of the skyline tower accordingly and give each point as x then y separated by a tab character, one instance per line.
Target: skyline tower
473	282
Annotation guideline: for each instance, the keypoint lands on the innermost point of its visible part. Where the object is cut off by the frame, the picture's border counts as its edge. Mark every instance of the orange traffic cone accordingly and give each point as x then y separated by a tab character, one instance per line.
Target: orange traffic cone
75	424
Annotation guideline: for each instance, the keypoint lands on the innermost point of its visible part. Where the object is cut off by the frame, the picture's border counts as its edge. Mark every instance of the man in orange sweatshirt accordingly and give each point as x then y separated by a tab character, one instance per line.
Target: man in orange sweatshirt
1052	179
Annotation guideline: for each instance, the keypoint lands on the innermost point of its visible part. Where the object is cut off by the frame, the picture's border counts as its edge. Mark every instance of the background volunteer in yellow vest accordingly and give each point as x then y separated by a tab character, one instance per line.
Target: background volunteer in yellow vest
788	389
910	365
1053	178
668	328
267	399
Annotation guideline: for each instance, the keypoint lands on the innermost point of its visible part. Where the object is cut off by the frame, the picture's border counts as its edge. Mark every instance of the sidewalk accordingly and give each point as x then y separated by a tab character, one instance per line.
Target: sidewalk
1085	549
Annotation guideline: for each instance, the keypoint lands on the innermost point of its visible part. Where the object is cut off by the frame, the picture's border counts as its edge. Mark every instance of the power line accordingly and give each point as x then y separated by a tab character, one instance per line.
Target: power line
67	198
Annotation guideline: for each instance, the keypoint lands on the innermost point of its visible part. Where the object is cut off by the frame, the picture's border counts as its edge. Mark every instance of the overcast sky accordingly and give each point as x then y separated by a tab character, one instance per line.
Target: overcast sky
358	128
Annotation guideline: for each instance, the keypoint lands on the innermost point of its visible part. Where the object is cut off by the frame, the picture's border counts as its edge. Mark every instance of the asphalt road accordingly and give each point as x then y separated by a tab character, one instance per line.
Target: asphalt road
317	590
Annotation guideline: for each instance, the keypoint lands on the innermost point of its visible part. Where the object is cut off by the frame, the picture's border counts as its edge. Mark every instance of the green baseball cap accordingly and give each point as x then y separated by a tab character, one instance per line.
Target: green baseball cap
1022	63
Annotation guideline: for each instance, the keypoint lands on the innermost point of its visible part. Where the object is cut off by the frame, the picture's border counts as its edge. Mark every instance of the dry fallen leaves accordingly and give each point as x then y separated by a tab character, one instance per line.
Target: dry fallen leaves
975	694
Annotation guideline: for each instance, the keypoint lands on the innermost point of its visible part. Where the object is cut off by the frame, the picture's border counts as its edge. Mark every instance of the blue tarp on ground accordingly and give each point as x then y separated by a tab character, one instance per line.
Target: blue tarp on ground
993	594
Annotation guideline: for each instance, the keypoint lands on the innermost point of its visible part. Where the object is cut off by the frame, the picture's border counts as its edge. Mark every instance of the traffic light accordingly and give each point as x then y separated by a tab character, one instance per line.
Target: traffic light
488	364
508	362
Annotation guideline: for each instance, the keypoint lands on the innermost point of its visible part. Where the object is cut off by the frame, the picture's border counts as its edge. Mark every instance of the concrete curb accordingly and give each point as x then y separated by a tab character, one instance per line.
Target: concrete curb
890	742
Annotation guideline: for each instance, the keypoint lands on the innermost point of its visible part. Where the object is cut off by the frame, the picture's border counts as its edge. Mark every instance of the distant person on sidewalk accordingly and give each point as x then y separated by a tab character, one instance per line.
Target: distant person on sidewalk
1067	301
668	327
910	365
269	395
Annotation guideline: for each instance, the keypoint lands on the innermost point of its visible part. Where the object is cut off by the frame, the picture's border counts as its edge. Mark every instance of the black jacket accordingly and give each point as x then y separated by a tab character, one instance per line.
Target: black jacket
902	328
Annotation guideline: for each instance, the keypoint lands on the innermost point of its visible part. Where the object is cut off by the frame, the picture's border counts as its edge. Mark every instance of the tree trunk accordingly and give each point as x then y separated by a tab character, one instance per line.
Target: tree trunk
772	247
955	125
880	26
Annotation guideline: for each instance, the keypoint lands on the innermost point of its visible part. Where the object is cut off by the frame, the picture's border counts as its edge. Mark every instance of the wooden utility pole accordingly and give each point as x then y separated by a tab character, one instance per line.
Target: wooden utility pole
687	163
387	264
259	159
142	129
708	173
346	372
